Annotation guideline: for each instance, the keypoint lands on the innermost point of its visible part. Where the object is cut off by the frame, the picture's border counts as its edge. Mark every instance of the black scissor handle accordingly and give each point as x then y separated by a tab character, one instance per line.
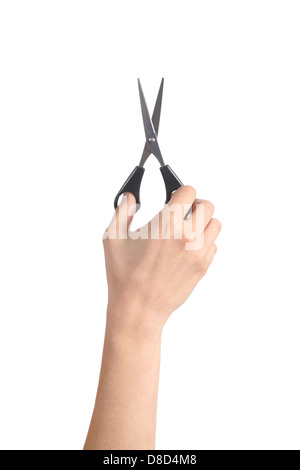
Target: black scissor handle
172	182
132	185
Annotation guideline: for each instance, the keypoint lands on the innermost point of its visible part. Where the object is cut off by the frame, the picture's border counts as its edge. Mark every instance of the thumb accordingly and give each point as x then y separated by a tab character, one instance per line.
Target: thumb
123	215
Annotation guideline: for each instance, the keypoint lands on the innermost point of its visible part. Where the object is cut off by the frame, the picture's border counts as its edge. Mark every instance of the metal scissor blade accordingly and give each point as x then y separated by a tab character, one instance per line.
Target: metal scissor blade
146	153
155	121
157	107
148	126
151	145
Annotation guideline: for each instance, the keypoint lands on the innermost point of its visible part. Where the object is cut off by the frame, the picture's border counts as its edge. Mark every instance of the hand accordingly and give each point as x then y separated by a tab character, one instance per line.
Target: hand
150	272
149	278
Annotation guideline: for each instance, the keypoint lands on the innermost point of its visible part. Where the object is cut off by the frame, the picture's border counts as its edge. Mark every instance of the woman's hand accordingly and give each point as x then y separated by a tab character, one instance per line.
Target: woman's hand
148	278
150	272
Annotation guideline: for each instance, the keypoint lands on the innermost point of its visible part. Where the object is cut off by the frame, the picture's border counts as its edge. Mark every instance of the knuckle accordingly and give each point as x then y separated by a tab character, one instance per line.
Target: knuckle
209	206
217	224
207	263
200	259
105	238
191	190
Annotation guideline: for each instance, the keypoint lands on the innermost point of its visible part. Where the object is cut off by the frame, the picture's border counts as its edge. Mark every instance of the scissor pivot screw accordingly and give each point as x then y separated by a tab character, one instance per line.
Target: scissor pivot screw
151	139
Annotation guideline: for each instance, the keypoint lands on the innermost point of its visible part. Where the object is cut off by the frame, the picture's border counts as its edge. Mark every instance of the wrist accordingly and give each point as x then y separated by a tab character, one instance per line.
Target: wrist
132	323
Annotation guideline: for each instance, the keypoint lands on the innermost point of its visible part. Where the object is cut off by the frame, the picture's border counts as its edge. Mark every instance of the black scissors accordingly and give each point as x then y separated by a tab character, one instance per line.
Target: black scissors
133	182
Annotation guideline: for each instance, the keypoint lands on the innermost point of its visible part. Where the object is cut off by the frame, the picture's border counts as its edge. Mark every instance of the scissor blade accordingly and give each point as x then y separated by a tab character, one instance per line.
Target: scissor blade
157	107
155	121
148	126
151	145
146	153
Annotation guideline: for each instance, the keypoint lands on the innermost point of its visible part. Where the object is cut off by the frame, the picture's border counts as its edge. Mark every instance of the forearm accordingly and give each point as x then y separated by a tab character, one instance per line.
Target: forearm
124	415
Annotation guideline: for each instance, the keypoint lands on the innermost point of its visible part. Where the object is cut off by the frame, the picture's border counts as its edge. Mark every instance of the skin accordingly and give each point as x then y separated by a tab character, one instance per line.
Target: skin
147	280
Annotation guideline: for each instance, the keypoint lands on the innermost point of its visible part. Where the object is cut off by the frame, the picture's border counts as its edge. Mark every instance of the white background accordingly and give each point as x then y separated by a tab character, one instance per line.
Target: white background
71	132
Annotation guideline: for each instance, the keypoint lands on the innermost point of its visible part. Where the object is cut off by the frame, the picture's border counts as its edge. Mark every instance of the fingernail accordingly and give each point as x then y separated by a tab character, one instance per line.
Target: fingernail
124	196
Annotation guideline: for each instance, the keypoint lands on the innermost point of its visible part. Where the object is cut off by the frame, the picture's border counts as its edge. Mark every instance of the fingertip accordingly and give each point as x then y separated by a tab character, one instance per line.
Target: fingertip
190	189
187	190
127	198
130	198
184	194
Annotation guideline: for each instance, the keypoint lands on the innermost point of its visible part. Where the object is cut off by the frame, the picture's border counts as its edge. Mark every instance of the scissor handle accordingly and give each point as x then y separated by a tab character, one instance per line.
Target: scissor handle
132	185
172	182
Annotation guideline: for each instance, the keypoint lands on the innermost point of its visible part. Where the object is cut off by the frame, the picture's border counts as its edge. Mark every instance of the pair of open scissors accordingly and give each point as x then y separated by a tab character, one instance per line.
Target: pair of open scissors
133	182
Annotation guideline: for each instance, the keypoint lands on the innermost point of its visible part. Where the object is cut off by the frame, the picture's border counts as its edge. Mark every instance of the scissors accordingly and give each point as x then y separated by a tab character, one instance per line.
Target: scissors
133	182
